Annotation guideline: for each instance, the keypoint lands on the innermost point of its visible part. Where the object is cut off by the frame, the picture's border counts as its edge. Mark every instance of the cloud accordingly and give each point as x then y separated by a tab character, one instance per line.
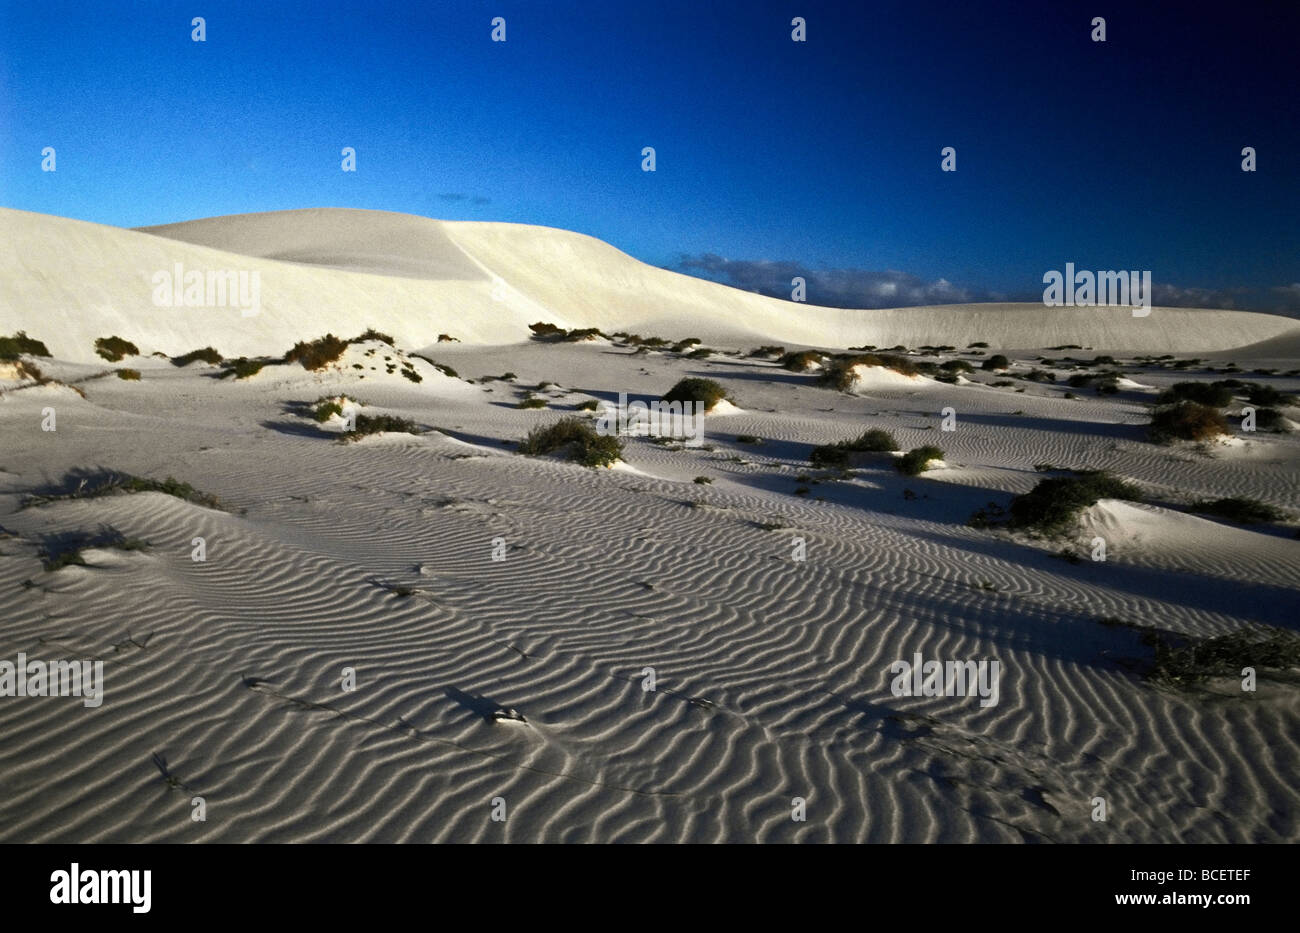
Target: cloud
833	288
1166	295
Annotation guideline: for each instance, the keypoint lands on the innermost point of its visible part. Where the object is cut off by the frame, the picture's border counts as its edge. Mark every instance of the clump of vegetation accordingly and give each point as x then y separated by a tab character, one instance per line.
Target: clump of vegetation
914	462
1245	511
445	370
1039	375
977	345
768	350
1186	421
839	373
241	368
748	439
532	401
371	334
703	353
316	354
800	362
114	349
206	355
544	330
447	338
411	374
1269	419
706	391
833	456
1267	395
378	424
131	375
957	366
682	346
590	404
1053	506
1185	661
1213	394
87	484
17	345
575	437
61	551
331	405
702	481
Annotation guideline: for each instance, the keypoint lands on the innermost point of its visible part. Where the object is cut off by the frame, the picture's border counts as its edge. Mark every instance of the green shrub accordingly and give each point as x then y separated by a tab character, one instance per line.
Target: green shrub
800	362
696	390
839	374
206	355
543	330
316	354
829	457
1054	504
913	463
1185	661
682	346
703	353
1213	394
325	408
241	368
996	361
575	437
131	375
371	334
114	348
957	366
13	347
378	424
532	402
702	481
977	345
1186	421
91	485
1245	511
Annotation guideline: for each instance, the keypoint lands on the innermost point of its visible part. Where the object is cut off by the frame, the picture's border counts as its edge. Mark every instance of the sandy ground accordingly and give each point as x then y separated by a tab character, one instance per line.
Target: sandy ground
772	674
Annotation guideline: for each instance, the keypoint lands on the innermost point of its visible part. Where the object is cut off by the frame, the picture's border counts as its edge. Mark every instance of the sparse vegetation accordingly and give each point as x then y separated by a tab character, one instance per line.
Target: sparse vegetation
88	484
114	349
371	334
316	354
241	368
915	461
1053	506
590	404
839	373
705	391
1186	421
205	355
17	345
832	456
131	375
379	424
1185	661
702	481
532	401
61	551
576	438
1245	511
800	362
1212	394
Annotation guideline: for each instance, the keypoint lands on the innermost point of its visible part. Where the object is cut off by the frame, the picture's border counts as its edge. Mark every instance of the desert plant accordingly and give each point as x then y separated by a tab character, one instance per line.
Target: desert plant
1213	394
914	462
800	362
1184	661
91	484
1267	395
206	355
957	366
13	347
839	373
378	424
1245	511
371	334
702	353
316	354
114	349
241	368
575	437
131	375
1053	505
705	391
532	401
1186	421
702	481
996	361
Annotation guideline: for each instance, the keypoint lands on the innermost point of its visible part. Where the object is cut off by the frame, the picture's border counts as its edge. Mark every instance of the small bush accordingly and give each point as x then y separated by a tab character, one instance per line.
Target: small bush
206	355
316	354
696	390
544	330
703	353
913	463
378	424
682	346
1245	511
13	347
1184	661
1186	421
1267	395
768	350
977	345
996	361
829	457
575	437
702	481
957	366
532	402
131	375
241	368
839	374
114	349
82	484
590	404
748	439
1213	394
1269	419
800	362
326	408
1054	504
447	338
371	334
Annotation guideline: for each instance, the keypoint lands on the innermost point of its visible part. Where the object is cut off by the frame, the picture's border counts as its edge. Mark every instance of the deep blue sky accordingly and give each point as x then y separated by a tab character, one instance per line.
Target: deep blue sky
773	156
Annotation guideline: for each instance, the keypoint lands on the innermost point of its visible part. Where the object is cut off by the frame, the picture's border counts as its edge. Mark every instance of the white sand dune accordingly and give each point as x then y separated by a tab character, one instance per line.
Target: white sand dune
343	270
454	576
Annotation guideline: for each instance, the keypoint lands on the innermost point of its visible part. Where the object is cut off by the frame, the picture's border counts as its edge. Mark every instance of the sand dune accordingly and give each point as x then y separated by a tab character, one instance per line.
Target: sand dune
342	270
